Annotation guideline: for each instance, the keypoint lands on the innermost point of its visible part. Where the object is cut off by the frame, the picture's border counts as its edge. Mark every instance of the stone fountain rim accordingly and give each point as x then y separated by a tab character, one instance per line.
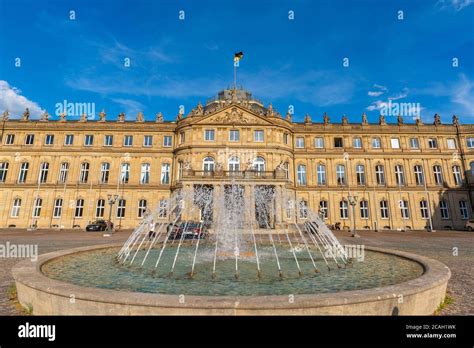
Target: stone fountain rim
29	274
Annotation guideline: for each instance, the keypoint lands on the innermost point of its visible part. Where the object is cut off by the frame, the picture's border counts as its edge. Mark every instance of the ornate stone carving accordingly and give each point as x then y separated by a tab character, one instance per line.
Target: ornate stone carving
83	118
455	120
179	117
326	119
102	115
344	120
159	117
270	112
418	121
140	117
307	119
364	119
235	116
26	115
62	117
382	121
437	120
121	117
399	120
44	116
288	116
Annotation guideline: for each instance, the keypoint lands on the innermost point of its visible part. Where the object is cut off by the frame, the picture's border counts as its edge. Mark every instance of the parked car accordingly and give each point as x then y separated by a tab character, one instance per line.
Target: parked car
188	230
469	225
99	225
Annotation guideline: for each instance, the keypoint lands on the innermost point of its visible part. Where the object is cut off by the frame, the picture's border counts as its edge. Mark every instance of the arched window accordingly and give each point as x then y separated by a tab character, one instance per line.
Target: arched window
321	173
145	173
43	174
16	207
259	164
344	209
364	209
3	171
104	172
84	174
303	209
360	174
323	209
341	174
63	170
208	164
457	175
234	164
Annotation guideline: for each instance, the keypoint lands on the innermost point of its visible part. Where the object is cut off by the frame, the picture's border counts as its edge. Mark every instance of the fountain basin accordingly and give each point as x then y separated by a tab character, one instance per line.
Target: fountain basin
47	296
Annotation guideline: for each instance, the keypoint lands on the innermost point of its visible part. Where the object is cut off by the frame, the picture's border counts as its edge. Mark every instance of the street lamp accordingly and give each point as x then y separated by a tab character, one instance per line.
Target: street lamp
353	201
111	199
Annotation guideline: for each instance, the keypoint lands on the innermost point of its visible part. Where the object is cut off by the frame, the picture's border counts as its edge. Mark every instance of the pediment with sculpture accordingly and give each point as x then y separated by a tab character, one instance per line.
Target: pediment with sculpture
234	115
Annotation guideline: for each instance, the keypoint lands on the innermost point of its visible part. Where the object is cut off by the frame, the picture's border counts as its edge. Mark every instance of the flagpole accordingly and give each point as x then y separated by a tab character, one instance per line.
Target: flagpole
235	76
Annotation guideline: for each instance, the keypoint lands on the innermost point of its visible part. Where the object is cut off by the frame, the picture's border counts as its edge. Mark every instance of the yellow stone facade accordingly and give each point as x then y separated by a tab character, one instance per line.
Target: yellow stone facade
234	138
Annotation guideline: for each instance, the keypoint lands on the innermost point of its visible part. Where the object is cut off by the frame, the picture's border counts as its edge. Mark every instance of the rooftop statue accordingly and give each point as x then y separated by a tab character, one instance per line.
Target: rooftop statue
382	121
62	117
44	116
345	120
26	115
437	120
270	111
326	119
140	117
307	118
83	118
121	117
418	121
364	119
159	117
102	115
399	120
288	116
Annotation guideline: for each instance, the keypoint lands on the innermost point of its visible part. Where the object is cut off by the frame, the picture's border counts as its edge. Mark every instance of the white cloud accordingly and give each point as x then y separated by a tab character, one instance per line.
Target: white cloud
380	90
12	100
457	5
130	107
463	93
374	94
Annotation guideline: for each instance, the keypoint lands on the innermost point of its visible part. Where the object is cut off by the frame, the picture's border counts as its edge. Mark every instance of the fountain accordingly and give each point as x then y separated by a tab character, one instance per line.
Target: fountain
222	249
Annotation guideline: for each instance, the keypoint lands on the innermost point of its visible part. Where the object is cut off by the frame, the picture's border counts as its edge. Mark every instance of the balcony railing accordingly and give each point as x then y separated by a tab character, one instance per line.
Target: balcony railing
240	174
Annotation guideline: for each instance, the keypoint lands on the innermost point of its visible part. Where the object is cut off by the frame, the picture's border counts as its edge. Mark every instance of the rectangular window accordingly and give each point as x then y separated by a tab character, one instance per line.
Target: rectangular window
49	140
63	170
43	174
357	143
167	141
321	174
16	207
121	208
258	136
404	212
286	136
3	171
360	174
58	207
319	143
376	143
343	209
165	174
108	140
323	209
380	174
163	208
341	174
37	207
182	137
234	135
104	172
463	210
419	177
432	143
364	209
338	143
470	143
100	208
209	135
303	209
457	175
299	143
88	140
145	173
451	144
128	140
23	174
384	209
148	141
142	203
414	144
424	209
444	210
125	173
79	211
10	139
69	139
438	175
301	174
30	139
395	142
399	175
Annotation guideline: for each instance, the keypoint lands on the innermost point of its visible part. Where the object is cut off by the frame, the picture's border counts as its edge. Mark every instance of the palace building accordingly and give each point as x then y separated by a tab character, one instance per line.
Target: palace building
64	174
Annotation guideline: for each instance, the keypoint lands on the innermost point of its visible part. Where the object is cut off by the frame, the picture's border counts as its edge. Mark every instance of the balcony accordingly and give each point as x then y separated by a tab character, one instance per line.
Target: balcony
234	174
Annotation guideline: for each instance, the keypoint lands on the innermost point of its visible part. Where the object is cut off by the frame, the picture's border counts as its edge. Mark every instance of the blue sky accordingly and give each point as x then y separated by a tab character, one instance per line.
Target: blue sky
286	62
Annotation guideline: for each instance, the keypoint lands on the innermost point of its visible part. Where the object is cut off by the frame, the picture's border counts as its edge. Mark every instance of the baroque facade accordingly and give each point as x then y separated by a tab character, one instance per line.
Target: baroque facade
62	173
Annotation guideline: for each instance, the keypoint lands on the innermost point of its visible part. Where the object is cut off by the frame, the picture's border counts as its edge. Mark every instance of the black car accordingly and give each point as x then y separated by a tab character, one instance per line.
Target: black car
98	225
